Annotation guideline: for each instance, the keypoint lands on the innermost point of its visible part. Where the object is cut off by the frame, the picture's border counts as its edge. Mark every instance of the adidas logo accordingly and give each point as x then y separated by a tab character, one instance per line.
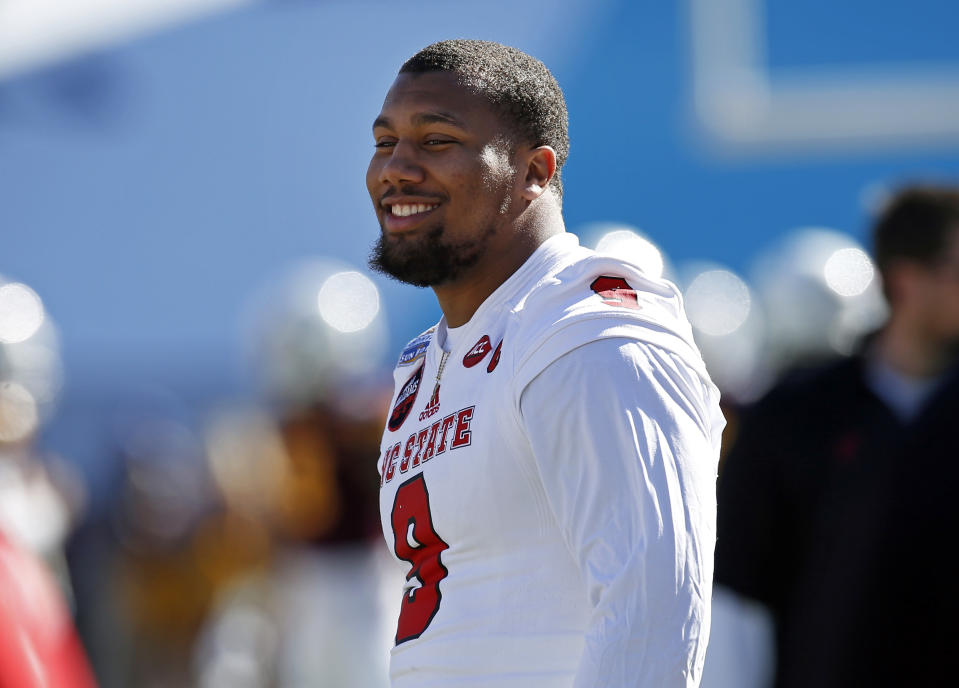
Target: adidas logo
432	406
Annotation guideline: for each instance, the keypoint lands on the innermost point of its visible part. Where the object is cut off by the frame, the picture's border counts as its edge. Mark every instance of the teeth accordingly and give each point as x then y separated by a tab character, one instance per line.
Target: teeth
408	209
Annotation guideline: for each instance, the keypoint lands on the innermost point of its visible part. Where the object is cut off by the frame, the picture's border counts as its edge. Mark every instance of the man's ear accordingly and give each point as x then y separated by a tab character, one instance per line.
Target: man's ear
540	168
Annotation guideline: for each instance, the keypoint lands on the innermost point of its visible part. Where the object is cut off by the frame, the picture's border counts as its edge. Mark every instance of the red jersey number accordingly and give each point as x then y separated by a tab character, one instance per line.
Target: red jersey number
415	541
615	291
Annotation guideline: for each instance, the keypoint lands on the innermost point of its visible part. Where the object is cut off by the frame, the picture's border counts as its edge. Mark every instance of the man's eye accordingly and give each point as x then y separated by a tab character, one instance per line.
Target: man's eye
384	144
436	142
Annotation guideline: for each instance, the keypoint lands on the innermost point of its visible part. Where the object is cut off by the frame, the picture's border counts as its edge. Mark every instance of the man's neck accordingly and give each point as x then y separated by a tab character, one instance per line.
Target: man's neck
460	299
910	352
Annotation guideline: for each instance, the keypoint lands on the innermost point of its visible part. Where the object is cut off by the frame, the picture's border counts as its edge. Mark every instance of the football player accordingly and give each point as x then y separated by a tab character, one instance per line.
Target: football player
547	470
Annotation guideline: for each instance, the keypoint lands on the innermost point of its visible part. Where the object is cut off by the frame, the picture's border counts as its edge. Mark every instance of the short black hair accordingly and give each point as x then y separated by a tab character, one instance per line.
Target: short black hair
519	85
916	224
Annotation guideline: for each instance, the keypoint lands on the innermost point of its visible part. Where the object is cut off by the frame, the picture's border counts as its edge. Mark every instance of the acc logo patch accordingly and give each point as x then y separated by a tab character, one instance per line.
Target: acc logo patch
615	291
493	362
416	349
405	400
478	352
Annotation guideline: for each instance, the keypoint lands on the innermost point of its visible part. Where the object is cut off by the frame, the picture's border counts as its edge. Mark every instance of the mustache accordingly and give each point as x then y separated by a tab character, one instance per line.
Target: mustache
409	191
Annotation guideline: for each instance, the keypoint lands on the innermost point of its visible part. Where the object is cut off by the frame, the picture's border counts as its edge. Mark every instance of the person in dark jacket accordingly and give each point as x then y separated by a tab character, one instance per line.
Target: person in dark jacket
839	503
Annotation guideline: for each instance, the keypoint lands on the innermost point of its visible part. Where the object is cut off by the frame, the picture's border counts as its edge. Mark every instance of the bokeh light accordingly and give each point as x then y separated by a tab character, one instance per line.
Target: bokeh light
311	327
626	243
18	412
729	328
820	294
348	301
848	271
717	302
21	312
36	364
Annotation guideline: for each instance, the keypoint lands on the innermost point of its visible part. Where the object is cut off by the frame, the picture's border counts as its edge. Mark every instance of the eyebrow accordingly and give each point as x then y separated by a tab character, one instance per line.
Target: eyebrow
422	118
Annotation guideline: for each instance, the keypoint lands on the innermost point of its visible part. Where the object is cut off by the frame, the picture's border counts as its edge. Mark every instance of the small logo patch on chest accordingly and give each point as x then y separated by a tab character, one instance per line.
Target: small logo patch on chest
415	350
405	400
478	352
494	361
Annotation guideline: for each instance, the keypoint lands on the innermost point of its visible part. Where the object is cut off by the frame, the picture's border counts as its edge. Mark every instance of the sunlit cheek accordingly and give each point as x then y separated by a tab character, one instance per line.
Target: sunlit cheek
497	167
498	176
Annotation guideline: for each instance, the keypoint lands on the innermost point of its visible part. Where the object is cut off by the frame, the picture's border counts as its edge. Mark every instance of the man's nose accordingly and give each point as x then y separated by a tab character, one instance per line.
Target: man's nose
403	165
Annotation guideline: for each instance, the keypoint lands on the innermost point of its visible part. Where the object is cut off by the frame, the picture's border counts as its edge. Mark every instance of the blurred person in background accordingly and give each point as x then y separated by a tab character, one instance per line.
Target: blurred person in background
329	571
548	467
302	463
151	561
837	502
238	549
179	548
244	557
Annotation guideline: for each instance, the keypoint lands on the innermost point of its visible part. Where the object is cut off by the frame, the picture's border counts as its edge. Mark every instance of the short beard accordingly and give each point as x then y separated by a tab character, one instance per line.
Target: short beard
428	261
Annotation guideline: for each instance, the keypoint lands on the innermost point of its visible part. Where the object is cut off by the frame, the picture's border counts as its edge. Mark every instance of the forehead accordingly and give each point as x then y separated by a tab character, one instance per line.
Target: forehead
414	95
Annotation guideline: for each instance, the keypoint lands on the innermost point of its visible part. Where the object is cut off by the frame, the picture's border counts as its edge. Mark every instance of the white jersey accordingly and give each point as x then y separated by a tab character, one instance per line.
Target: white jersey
552	497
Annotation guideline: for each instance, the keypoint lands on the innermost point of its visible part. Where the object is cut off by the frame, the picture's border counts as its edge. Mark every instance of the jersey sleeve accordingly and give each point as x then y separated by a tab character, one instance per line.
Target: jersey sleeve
623	435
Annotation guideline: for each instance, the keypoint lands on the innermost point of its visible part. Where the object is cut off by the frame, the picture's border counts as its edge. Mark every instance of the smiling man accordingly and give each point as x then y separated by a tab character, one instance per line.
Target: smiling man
547	470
